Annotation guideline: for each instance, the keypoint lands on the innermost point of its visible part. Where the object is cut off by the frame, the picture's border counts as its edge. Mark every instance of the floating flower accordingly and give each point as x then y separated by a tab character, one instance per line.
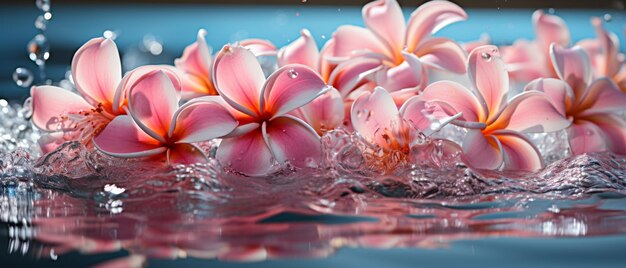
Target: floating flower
399	53
156	125
376	118
495	125
591	105
266	131
97	74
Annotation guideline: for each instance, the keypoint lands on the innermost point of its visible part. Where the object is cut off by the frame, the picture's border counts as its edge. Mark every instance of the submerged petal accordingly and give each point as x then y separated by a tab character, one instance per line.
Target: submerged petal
248	154
292	140
123	138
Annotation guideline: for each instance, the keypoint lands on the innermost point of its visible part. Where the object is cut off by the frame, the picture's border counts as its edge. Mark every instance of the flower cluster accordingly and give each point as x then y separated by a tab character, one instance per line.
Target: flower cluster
376	81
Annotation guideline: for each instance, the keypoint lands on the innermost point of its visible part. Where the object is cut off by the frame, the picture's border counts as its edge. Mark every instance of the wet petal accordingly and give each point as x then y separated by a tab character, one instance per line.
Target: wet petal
350	40
248	154
586	137
488	73
324	113
482	152
559	92
123	138
152	103
603	96
259	47
201	121
429	18
301	51
458	97
550	29
239	78
531	112
292	140
373	112
183	153
289	88
409	74
519	152
572	65
614	129
51	104
385	19
97	71
442	53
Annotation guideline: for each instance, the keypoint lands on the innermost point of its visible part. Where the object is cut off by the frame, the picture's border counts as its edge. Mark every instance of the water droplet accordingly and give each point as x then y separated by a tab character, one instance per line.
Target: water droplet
297	14
486	56
554	209
39	49
323	36
53	256
41	23
589	132
23	77
551	10
44	5
339	10
292	73
47	15
607	17
109	34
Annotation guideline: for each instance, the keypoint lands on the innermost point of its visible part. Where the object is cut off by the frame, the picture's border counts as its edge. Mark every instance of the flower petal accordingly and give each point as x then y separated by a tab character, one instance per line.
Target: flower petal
429	18
52	104
247	154
259	47
614	129
130	78
458	97
519	152
550	29
239	78
560	93
385	19
603	96
488	73
201	121
572	65
49	142
289	88
351	40
196	58
123	138
609	44
324	113
183	153
292	140
152	102
482	152
409	74
97	71
373	112
586	137
442	53
351	74
301	51
530	112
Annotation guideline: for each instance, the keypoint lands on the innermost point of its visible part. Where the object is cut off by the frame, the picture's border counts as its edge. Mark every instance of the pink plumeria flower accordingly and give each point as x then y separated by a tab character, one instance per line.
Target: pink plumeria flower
591	105
327	111
495	125
528	60
195	64
266	131
158	126
399	52
376	118
606	60
97	73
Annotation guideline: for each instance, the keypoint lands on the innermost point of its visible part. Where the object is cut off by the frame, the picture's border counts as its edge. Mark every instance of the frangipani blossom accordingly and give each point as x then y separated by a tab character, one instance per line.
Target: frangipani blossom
97	73
591	105
376	118
399	53
196	63
266	131
156	125
495	125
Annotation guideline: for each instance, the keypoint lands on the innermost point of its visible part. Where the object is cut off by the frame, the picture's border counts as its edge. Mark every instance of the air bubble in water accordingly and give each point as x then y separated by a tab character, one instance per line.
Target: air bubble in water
22	77
292	73
607	17
38	49
486	56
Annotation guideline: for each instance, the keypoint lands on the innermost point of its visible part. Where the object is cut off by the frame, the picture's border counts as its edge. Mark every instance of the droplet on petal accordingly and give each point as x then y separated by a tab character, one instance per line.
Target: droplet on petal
486	56
292	73
22	77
